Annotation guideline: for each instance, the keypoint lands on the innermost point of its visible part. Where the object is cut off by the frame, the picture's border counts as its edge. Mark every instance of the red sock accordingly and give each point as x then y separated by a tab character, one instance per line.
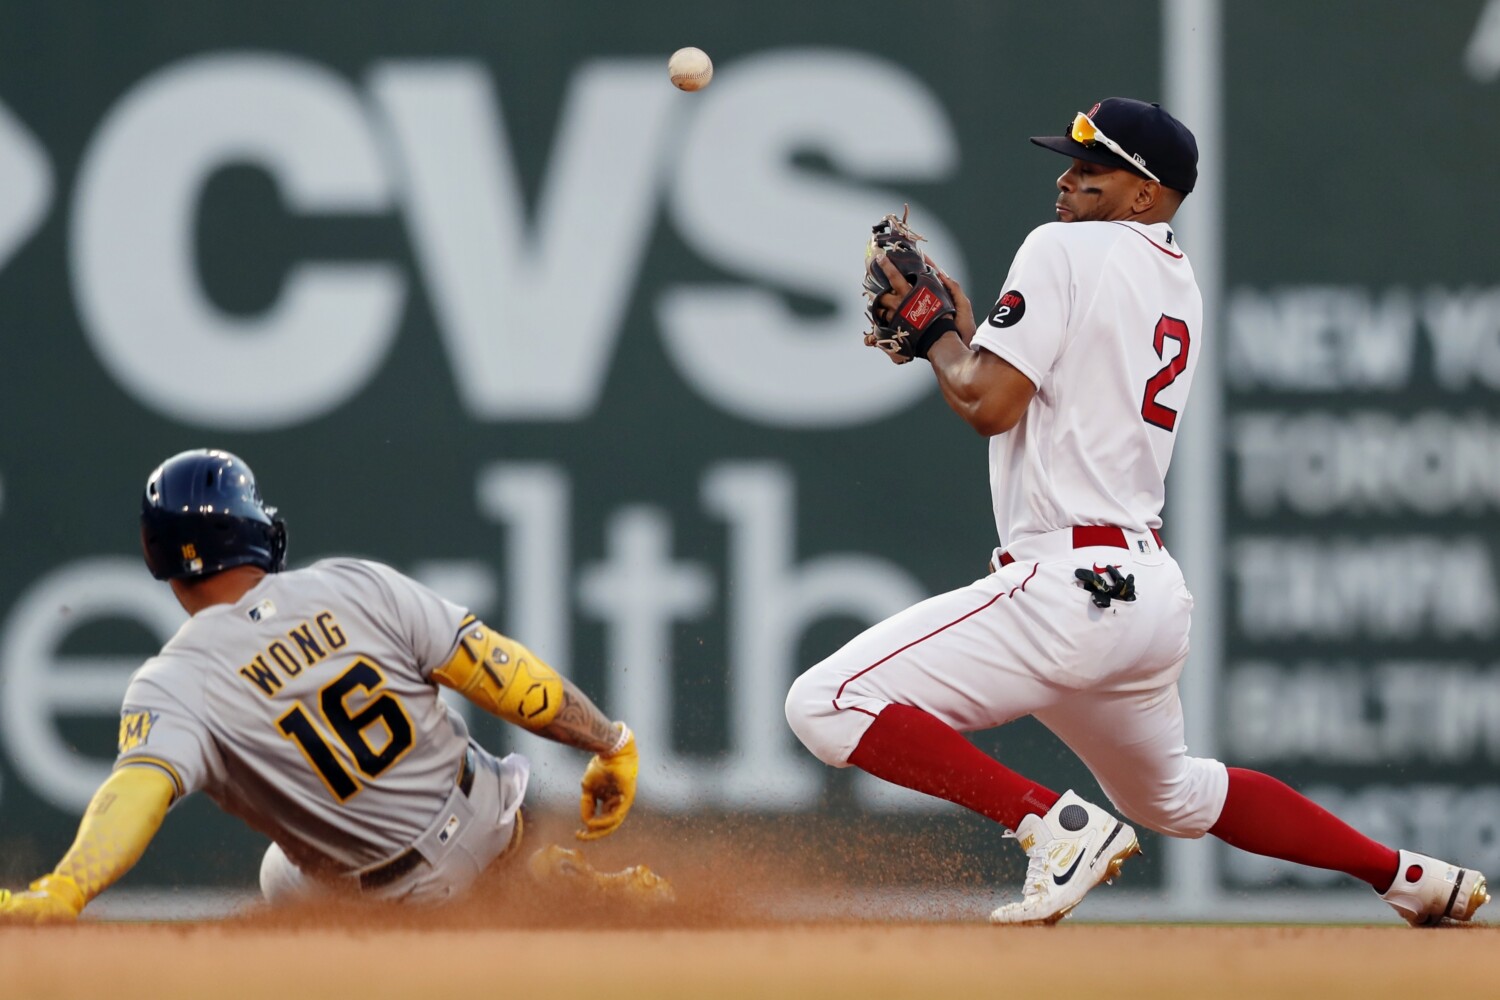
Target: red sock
1264	816
908	747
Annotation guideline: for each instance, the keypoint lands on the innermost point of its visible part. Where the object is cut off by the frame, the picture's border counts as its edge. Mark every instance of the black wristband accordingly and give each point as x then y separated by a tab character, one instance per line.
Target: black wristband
931	335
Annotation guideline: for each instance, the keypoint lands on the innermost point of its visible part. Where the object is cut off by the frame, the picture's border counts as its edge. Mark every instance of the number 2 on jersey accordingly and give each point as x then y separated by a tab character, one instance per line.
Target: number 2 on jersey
1167	328
298	726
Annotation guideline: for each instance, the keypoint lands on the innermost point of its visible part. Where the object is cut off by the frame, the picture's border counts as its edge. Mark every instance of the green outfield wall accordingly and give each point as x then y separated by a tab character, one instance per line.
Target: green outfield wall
479	294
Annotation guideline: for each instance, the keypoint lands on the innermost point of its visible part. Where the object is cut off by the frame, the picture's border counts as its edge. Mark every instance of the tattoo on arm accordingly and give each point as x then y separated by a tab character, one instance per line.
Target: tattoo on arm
580	723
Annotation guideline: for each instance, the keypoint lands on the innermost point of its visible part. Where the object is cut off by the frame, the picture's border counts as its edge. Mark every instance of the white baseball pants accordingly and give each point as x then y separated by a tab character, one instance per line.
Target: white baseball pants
1028	640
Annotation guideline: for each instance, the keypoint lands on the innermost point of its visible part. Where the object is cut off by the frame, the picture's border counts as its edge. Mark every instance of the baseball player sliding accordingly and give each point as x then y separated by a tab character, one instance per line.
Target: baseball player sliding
305	702
1078	377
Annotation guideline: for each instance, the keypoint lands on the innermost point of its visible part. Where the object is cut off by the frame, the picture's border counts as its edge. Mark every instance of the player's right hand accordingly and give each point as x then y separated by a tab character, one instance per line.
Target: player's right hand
963	315
51	899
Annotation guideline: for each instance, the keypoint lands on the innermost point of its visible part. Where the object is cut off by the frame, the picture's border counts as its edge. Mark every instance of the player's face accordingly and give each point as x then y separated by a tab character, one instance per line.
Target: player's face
1092	192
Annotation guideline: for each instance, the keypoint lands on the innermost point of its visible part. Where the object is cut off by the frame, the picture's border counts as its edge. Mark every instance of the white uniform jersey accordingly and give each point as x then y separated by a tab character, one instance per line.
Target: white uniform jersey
1102	317
307	709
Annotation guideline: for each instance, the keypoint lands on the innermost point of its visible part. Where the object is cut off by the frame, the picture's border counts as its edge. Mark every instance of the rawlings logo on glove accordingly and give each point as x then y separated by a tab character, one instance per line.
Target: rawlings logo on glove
907	327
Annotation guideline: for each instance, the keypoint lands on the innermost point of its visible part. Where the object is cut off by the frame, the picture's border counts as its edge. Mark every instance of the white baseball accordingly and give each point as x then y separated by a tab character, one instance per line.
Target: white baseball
690	68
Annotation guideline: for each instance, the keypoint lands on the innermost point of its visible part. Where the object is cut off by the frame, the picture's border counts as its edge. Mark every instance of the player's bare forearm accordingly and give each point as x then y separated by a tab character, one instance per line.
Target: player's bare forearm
580	723
988	392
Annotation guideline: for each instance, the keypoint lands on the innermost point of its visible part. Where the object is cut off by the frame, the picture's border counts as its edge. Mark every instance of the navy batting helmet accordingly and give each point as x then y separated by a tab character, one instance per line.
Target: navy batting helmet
202	513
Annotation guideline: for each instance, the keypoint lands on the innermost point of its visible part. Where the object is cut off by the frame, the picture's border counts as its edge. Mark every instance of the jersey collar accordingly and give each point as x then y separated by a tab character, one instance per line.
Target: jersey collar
1158	234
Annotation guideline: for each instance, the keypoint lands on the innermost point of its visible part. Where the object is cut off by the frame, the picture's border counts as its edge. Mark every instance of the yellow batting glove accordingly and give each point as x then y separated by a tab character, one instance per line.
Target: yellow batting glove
609	787
51	899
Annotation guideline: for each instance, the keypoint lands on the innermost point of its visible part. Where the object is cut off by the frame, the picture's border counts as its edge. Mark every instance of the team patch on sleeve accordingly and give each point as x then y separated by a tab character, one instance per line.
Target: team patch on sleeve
1008	309
135	729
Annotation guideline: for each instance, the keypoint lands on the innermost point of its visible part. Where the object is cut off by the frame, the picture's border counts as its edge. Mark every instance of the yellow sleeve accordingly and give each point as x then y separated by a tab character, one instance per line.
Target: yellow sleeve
123	816
503	677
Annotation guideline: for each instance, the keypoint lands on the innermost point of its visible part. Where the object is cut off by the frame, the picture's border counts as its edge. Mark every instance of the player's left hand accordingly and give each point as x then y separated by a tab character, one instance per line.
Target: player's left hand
608	790
51	899
885	305
910	307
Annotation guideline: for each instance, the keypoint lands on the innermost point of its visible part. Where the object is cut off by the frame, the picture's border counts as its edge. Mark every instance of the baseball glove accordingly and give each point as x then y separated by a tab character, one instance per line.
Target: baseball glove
924	314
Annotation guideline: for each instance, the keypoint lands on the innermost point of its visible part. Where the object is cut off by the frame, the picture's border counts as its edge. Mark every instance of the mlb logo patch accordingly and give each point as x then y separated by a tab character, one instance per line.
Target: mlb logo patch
448	830
265	609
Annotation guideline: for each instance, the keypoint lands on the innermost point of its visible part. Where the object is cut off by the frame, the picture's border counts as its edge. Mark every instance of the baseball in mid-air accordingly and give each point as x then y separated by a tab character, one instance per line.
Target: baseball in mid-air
690	68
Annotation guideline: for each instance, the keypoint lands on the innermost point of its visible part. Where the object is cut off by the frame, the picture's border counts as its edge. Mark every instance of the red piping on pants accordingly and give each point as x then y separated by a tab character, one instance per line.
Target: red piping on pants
1011	593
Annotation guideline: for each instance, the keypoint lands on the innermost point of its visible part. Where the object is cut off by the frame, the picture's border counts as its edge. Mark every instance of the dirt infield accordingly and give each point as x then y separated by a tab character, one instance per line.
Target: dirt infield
228	962
513	938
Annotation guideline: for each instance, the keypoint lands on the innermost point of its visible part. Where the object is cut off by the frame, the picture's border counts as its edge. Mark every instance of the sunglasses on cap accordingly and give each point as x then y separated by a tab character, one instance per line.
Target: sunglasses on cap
1086	133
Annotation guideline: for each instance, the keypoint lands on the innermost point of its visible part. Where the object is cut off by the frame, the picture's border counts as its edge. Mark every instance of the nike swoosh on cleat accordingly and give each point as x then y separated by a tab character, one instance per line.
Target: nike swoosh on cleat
1067	876
1108	840
1457	883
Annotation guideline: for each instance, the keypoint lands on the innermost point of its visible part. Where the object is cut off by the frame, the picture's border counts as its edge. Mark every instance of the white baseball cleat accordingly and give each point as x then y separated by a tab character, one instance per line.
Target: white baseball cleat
1073	848
1428	891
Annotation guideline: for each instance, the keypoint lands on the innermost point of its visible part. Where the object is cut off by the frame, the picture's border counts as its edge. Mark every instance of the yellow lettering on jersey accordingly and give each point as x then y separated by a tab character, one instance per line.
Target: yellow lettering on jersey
135	730
331	631
311	649
284	659
306	644
261	675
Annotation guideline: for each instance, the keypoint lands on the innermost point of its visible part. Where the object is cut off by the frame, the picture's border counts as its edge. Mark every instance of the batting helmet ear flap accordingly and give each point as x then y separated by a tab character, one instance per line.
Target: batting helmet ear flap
278	542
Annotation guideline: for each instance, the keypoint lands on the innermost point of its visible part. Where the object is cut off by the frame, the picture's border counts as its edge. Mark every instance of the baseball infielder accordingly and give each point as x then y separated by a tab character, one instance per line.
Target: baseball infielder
305	703
1078	377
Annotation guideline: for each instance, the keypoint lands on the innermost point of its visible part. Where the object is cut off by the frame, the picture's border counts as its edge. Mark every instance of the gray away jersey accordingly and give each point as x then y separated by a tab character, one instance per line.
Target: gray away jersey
307	710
